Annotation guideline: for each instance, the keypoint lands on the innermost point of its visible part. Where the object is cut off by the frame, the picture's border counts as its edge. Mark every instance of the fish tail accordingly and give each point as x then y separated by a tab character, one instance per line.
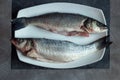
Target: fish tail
18	23
103	42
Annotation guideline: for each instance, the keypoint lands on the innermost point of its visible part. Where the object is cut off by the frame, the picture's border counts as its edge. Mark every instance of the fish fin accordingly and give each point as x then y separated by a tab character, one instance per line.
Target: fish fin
18	23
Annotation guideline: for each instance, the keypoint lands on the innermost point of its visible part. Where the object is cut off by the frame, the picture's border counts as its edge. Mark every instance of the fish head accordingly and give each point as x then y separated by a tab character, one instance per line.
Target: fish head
23	45
94	26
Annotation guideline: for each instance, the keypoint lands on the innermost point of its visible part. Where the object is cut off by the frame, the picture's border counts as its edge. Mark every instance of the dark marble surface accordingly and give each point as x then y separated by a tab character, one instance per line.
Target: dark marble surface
6	73
20	4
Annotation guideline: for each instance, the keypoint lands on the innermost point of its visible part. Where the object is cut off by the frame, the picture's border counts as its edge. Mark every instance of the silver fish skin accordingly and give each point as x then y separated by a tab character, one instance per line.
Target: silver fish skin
63	23
60	51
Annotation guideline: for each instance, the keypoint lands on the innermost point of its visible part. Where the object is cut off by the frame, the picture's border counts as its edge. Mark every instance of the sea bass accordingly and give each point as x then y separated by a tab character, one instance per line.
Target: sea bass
62	23
56	50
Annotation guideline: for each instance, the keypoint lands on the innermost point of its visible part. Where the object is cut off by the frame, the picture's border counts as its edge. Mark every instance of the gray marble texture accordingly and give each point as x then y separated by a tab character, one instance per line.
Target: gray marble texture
6	73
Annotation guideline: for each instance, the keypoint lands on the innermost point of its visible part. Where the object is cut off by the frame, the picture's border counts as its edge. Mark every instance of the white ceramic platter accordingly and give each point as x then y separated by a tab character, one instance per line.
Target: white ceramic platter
34	32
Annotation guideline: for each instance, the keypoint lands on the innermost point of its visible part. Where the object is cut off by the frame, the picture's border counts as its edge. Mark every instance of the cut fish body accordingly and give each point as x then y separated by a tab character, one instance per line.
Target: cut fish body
63	23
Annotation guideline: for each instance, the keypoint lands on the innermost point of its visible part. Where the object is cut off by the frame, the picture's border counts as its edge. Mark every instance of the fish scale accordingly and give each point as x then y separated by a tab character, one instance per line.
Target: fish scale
57	50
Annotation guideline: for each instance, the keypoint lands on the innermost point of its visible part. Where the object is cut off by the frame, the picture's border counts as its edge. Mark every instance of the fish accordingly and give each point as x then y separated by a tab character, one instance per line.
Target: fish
62	23
55	50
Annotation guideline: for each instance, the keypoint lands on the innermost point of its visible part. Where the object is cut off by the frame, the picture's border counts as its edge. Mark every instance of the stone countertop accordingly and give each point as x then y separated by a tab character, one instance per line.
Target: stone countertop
6	73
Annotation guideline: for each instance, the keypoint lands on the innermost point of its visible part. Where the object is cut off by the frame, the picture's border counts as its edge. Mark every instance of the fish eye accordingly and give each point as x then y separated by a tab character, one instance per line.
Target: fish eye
20	40
99	24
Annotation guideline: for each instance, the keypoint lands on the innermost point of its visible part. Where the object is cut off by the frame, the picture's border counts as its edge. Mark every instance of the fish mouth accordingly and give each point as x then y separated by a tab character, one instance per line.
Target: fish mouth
14	41
98	30
103	29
